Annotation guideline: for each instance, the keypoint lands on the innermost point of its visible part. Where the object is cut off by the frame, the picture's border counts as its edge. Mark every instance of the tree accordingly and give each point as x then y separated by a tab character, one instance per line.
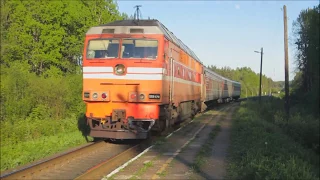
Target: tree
306	34
306	31
49	35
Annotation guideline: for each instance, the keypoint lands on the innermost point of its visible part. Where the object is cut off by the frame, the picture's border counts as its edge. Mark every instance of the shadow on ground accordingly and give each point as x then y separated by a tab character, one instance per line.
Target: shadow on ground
83	126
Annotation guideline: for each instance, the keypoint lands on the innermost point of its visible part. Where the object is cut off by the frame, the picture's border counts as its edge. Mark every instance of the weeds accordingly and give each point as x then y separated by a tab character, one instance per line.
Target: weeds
302	126
25	152
145	167
260	149
160	141
162	174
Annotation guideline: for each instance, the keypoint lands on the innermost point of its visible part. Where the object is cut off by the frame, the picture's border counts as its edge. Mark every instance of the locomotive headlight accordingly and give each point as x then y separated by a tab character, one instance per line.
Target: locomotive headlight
141	96
119	69
95	95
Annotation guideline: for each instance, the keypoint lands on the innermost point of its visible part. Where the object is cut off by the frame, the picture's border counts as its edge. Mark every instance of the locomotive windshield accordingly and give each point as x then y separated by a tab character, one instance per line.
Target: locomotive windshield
139	48
103	48
130	48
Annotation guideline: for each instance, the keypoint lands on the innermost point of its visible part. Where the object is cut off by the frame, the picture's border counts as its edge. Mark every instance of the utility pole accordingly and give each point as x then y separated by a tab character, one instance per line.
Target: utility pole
286	57
269	91
261	52
260	75
246	92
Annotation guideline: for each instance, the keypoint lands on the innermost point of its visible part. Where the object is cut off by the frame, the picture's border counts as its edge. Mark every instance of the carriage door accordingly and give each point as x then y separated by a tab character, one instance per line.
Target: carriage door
171	85
204	85
168	83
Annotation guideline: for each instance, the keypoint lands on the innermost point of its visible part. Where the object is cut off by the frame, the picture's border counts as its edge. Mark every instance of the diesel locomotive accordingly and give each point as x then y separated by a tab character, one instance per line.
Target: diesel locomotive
139	77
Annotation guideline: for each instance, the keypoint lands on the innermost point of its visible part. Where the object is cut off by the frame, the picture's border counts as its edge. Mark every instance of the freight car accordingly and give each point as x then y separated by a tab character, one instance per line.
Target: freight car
138	76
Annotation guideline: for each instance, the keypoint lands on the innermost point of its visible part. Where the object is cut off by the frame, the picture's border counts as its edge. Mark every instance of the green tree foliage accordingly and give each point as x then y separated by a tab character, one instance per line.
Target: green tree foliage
41	49
306	34
49	35
249	80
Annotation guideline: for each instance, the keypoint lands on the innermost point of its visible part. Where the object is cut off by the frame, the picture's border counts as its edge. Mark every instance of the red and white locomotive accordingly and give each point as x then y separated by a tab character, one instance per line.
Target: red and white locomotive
138	76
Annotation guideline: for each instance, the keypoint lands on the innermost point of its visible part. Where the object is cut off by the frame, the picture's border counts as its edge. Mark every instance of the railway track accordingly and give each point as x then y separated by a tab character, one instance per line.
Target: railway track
72	164
114	164
92	161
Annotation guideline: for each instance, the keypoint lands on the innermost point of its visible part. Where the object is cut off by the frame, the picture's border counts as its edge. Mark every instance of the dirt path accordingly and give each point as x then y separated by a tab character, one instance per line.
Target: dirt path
205	156
215	166
183	165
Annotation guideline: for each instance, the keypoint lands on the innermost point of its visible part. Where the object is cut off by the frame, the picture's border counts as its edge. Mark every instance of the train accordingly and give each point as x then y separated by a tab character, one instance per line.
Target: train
139	77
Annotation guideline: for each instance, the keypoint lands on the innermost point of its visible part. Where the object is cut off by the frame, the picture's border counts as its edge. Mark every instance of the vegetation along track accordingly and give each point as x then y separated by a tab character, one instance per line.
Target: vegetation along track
89	162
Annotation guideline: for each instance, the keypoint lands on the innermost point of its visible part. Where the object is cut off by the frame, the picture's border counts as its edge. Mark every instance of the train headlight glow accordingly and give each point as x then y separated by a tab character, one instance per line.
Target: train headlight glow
95	95
141	96
119	69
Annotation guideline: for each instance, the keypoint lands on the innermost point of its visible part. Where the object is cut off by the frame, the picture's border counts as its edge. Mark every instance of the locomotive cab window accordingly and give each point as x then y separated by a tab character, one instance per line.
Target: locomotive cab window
139	48
103	48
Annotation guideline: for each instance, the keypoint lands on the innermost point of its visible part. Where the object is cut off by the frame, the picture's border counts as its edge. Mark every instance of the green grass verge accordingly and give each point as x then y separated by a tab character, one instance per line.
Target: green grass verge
25	141
142	170
302	126
261	150
29	151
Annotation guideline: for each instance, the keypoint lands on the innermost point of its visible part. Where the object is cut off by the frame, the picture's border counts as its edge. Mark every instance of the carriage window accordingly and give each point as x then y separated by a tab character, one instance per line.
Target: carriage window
139	48
103	48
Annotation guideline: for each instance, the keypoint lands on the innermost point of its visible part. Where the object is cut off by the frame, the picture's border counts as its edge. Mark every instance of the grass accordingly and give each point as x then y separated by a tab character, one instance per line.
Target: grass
162	174
25	141
260	149
142	170
25	152
160	141
302	125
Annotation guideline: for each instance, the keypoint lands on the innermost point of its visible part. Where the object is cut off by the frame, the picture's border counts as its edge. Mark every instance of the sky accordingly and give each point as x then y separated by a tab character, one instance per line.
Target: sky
226	33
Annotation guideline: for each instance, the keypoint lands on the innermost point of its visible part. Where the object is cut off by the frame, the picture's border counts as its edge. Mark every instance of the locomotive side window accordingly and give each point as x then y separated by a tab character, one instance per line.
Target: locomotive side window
103	48
139	48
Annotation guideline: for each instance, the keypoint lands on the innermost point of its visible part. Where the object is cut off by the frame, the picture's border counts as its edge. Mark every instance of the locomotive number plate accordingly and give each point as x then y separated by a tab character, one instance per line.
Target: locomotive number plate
154	96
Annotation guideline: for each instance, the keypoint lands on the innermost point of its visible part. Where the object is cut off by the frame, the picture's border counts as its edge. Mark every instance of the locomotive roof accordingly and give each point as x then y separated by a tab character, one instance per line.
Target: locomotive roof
219	76
148	24
133	23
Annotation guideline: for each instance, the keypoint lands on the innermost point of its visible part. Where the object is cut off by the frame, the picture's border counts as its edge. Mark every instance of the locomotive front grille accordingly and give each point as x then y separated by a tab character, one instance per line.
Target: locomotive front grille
118	122
118	115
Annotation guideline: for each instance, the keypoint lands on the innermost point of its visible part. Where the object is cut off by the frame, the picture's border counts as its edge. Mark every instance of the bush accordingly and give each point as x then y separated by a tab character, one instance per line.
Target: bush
260	150
33	106
23	94
302	126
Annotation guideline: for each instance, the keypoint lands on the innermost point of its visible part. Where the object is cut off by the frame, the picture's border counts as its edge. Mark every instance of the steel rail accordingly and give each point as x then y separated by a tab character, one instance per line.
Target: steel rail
31	170
111	164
